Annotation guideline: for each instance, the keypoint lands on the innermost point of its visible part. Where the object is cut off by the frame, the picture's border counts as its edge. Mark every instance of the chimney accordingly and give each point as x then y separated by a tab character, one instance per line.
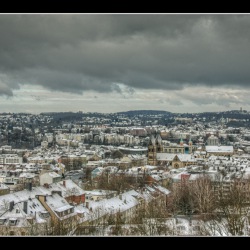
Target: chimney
87	204
25	206
56	192
64	183
29	186
11	205
120	196
41	198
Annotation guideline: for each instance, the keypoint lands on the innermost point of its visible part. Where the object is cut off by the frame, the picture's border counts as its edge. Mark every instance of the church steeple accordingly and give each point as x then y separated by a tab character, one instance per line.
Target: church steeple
190	139
154	147
159	147
152	140
190	145
152	150
158	139
181	141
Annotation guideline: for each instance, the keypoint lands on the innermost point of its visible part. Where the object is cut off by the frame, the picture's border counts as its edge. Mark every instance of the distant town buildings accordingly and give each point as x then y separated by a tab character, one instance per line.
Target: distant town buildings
72	171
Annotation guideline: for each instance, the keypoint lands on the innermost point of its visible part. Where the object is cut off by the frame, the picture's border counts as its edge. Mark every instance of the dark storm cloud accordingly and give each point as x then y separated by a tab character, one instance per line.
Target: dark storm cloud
75	53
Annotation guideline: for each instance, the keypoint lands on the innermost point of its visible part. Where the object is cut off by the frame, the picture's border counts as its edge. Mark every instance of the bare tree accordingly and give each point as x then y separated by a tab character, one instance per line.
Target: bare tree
116	182
203	195
233	206
181	200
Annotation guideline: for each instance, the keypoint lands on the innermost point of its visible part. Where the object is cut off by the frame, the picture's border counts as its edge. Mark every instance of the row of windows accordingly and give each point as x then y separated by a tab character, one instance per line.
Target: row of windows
173	150
155	149
12	160
66	212
12	222
13	233
182	228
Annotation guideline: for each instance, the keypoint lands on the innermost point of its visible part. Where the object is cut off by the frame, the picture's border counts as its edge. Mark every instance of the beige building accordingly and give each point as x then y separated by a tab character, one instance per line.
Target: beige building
157	151
4	189
175	160
175	149
9	159
63	216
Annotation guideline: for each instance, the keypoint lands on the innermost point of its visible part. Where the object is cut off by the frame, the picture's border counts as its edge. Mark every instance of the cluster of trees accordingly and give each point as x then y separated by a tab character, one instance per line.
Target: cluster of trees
216	206
222	208
72	164
115	181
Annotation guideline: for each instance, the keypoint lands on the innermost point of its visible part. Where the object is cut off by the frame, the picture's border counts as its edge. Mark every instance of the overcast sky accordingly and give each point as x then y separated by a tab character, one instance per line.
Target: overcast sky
118	62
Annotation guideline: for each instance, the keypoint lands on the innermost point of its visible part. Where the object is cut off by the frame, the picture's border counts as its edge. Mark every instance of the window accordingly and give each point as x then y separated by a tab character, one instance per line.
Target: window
196	228
45	214
12	222
12	233
22	233
181	228
60	214
2	221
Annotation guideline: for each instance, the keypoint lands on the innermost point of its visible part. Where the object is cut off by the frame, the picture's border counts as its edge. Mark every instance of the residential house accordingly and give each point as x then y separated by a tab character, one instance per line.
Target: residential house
4	189
63	216
49	178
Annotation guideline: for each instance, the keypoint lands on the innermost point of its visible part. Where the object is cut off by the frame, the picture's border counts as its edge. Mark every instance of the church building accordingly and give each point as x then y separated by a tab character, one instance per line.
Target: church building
177	155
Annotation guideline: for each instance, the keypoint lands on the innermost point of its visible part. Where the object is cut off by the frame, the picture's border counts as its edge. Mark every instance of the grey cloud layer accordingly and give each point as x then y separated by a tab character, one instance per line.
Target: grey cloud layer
75	53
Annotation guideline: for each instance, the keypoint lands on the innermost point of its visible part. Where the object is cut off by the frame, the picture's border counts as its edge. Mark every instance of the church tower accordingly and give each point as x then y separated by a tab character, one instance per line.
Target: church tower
154	147
159	147
152	151
181	141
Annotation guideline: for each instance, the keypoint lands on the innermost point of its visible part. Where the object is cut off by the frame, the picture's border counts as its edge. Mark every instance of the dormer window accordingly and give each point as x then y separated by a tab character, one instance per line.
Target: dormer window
60	214
45	214
2	221
196	228
181	228
12	222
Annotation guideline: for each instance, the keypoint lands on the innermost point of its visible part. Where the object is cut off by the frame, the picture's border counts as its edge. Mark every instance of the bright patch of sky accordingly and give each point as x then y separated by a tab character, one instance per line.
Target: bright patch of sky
36	99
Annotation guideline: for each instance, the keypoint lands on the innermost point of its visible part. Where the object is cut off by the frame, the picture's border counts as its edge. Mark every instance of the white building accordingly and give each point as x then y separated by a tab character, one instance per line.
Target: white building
212	140
49	178
10	159
44	144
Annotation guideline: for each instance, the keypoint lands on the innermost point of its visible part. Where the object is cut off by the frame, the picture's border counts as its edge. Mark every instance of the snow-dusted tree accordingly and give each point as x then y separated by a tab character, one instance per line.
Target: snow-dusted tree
203	195
234	206
231	208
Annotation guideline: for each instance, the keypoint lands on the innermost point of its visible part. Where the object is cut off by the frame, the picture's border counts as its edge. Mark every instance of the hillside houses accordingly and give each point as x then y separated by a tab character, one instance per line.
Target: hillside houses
60	207
62	175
